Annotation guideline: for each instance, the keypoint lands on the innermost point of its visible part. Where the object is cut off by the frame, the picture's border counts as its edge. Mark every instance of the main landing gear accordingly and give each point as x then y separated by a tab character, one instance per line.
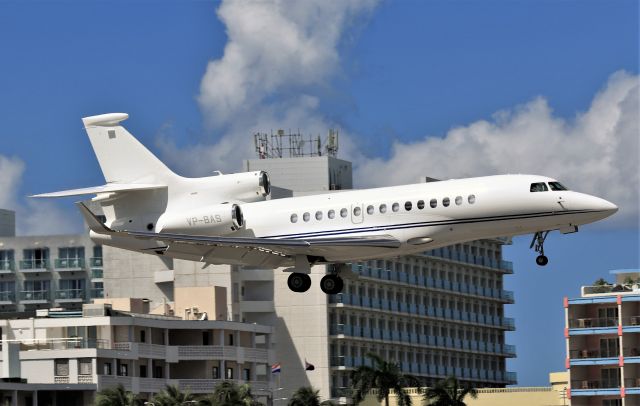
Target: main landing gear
538	245
299	282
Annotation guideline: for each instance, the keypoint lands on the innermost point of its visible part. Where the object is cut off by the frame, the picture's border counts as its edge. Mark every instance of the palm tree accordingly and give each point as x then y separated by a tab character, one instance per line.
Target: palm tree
305	396
383	376
227	393
449	393
171	395
117	396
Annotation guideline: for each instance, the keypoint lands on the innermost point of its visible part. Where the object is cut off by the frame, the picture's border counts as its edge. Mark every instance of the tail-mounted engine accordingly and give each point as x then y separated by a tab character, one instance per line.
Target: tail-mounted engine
218	219
244	187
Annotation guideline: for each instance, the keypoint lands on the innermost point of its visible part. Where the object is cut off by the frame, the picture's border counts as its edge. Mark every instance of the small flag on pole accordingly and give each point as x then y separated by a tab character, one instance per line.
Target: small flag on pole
308	367
275	368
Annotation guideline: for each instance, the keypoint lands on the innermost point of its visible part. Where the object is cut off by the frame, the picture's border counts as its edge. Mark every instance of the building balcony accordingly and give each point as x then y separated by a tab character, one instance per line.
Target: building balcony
97	273
430	283
631	321
424	340
63	344
593	322
421	310
453	255
35	296
154	385
590	385
34	265
95	262
70	295
588	353
7	266
69	264
97	293
606	289
7	297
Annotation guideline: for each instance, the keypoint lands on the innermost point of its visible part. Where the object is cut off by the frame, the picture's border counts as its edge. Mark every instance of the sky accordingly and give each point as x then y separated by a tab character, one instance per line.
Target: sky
438	88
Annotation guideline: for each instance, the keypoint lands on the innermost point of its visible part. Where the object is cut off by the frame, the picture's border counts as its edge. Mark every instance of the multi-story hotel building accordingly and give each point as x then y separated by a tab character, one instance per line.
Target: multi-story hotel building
47	271
603	343
65	357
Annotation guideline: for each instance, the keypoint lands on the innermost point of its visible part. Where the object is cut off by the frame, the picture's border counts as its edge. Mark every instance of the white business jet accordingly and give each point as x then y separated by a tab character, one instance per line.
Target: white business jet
227	219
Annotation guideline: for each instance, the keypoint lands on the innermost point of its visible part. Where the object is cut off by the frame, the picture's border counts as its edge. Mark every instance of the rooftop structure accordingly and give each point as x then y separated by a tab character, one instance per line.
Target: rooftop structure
602	330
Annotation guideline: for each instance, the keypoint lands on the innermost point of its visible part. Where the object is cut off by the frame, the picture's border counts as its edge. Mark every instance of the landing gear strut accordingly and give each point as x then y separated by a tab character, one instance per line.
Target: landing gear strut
538	245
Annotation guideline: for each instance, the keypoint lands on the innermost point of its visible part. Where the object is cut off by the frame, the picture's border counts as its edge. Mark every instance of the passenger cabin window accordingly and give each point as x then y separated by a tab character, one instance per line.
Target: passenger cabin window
306	216
458	200
331	214
420	204
395	207
370	209
294	218
471	199
318	215
357	211
555	186
433	203
407	206
445	202
538	187
383	208
343	213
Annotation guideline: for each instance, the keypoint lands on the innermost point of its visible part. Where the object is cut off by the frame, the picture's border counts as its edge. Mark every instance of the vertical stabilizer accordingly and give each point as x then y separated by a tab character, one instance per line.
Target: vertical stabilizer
122	158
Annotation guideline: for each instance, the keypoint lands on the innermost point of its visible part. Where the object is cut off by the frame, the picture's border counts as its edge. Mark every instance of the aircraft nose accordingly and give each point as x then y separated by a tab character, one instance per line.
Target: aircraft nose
598	204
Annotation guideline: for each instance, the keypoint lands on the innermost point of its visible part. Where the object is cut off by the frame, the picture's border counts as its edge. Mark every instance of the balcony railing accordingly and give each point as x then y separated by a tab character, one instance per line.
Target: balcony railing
39	264
587	353
7	265
97	273
69	263
421	310
63	344
447	253
595	384
8	296
593	322
95	262
70	294
632	383
404	277
97	293
35	295
431	341
631	321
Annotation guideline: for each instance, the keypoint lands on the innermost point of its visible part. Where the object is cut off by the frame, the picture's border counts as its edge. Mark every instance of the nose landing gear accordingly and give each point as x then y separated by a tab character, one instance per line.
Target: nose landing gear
538	245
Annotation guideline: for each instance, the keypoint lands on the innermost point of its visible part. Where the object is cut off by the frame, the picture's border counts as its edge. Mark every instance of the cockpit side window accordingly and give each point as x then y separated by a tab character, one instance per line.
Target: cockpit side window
557	186
538	187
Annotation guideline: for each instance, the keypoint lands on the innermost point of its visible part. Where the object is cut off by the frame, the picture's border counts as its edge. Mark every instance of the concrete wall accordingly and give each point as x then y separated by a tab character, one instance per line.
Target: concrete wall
209	299
7	223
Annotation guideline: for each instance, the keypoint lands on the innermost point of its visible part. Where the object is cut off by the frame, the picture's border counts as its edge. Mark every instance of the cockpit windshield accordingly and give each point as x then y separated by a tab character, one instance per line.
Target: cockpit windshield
557	186
538	187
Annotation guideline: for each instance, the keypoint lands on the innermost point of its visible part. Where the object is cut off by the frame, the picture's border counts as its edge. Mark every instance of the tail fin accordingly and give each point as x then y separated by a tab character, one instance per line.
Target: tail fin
122	158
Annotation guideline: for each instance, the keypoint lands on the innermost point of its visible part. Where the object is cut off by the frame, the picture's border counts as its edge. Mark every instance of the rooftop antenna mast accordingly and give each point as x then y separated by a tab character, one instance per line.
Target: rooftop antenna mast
290	144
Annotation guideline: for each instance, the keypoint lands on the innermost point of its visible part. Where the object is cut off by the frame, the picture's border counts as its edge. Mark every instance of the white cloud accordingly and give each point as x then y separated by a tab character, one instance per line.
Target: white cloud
32	217
279	56
597	152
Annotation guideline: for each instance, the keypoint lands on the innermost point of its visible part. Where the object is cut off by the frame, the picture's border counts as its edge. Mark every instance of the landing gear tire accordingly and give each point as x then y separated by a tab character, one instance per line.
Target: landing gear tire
331	284
542	260
299	282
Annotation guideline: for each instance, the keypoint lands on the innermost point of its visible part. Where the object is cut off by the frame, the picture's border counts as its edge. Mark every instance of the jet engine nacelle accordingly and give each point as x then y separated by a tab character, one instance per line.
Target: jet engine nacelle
245	187
218	219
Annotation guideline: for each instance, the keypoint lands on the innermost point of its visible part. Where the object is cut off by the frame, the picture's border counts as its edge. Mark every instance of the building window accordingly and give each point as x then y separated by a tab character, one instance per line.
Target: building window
230	339
143	336
246	374
35	258
370	209
343	212
61	367
229	373
215	373
407	206
420	204
472	199
157	371
123	370
294	218
445	202
458	200
143	371
306	216
331	214
383	208
318	215
106	368
433	203
395	207
85	367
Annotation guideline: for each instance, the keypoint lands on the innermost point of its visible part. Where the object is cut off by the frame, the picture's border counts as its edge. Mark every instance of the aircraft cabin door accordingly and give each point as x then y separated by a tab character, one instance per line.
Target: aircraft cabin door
357	215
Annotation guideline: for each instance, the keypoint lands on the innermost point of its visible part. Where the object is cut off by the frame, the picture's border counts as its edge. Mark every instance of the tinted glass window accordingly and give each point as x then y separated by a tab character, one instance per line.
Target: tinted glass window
445	202
557	186
458	200
420	204
331	214
294	218
357	211
395	207
472	199
318	215
343	213
369	209
383	208
538	187
306	216
407	206
433	203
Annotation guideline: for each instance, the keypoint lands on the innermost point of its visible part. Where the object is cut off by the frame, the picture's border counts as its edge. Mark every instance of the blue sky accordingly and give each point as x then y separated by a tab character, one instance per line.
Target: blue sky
397	77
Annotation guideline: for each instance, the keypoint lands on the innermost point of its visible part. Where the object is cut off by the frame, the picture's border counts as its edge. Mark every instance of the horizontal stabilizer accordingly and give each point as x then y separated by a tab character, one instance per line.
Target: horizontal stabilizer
108	188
